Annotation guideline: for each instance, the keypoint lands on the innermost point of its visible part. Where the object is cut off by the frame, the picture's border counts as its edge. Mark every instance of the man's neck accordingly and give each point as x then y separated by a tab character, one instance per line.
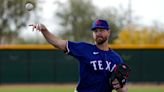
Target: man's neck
103	46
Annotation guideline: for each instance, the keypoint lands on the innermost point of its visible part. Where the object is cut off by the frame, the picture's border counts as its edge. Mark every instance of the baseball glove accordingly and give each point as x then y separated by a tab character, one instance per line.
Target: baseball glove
119	75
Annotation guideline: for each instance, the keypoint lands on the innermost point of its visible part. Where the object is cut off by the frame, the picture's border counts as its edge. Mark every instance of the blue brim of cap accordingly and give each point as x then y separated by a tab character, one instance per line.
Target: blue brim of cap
100	27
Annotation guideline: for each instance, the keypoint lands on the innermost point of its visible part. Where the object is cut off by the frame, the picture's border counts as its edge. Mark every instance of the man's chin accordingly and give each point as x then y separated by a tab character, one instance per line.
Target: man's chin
100	42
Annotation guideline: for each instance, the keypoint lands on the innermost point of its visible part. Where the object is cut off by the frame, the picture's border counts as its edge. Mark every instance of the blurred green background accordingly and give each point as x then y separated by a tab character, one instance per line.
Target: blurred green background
71	20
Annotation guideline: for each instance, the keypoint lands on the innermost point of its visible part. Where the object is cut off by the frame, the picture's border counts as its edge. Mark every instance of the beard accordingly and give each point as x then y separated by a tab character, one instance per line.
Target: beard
101	40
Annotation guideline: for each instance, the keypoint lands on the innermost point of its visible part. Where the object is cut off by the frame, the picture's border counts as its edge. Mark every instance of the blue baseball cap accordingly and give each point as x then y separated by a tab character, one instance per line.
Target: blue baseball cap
100	23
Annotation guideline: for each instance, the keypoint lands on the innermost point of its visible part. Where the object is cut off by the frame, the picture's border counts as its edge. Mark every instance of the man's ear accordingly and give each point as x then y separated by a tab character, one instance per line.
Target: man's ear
109	31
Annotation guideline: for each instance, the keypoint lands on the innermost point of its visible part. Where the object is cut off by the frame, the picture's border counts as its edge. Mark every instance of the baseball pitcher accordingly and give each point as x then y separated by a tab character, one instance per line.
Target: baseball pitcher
101	69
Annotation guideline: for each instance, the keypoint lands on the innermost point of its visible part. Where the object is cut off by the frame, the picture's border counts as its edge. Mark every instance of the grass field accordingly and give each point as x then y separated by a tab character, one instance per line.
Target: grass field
70	88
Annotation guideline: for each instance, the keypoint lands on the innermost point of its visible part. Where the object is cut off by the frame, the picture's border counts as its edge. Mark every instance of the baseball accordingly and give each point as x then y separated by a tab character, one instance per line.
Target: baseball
29	6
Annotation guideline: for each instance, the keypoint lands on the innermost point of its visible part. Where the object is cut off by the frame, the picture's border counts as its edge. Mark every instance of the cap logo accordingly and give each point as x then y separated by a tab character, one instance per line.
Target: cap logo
98	22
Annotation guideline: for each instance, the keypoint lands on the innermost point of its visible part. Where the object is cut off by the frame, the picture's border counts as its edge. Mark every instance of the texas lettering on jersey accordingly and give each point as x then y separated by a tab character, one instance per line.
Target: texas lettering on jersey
98	65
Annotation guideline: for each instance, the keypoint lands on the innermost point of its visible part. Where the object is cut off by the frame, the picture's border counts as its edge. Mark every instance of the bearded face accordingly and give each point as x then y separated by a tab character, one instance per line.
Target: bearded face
100	35
100	39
